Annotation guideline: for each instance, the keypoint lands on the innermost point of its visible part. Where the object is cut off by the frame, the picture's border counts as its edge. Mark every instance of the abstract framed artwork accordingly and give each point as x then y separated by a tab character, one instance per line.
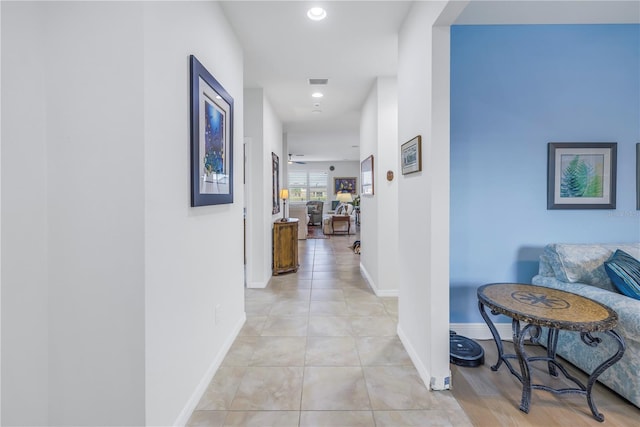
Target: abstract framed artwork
581	175
344	185
366	176
275	183
211	139
411	155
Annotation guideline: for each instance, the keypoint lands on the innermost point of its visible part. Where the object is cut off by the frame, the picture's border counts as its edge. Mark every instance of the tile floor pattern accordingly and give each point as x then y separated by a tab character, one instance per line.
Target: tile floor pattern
319	348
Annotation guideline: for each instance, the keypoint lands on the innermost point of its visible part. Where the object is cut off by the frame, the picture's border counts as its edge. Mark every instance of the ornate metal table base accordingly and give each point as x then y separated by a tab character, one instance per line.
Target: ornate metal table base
535	331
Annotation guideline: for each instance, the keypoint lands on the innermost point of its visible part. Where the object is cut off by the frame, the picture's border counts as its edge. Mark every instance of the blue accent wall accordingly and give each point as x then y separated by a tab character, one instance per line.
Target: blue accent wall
515	88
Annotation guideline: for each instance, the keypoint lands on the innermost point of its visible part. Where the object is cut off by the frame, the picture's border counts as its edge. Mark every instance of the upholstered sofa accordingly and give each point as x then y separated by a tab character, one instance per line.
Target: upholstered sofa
299	211
579	268
341	226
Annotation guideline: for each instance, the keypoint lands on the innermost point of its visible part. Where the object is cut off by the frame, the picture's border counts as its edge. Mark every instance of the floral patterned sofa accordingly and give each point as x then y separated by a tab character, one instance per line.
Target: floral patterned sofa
579	268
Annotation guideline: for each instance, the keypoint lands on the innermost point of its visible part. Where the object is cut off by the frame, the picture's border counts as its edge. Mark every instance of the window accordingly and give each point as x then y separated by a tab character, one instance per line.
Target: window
307	185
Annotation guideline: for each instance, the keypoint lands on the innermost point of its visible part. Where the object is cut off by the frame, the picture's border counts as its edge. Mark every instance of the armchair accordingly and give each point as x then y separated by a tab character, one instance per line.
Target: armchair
314	208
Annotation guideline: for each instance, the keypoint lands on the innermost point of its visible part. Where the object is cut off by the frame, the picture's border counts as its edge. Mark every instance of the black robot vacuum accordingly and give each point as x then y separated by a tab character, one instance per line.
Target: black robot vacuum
464	351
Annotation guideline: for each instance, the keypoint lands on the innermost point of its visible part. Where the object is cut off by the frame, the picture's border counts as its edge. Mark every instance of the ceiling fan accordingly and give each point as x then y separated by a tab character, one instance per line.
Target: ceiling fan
294	161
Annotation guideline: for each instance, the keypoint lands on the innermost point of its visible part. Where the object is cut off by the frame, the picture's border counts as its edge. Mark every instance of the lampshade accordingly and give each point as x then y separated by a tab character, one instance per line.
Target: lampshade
284	193
344	197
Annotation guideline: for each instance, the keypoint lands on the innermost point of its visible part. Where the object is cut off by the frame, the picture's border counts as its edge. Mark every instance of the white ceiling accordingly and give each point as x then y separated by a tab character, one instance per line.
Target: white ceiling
356	43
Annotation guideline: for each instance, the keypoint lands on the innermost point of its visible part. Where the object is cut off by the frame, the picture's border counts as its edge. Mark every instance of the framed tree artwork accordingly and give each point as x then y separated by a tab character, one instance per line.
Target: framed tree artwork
581	175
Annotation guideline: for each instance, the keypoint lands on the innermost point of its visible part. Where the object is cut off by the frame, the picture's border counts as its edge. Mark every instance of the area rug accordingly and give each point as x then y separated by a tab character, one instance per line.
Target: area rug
314	232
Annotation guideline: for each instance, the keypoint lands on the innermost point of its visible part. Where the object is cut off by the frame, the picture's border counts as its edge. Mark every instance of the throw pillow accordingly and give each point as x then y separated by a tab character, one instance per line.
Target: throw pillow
624	272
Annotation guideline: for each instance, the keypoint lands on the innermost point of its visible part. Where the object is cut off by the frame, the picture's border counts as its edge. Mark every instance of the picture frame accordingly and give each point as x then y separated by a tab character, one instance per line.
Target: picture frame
345	185
366	177
411	155
581	175
275	180
638	176
211	109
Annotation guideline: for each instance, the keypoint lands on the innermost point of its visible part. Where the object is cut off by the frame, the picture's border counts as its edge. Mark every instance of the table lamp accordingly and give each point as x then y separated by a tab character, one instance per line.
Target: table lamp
284	195
344	197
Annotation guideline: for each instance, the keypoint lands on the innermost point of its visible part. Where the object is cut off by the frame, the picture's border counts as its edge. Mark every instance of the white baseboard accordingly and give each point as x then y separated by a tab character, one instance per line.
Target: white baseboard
417	362
480	331
257	285
191	404
374	287
386	292
368	278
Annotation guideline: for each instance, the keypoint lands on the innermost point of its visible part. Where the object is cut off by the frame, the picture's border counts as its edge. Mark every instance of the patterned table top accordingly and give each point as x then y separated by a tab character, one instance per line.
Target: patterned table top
548	307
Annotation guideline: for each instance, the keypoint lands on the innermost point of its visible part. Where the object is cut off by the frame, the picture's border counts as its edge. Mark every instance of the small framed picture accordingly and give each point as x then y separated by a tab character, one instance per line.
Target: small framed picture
366	176
411	155
581	175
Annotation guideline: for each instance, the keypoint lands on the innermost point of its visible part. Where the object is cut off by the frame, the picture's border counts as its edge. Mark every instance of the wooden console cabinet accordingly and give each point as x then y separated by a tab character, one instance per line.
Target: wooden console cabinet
285	246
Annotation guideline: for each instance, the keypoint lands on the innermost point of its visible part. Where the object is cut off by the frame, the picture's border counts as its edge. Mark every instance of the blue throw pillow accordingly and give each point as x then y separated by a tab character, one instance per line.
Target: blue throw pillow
624	272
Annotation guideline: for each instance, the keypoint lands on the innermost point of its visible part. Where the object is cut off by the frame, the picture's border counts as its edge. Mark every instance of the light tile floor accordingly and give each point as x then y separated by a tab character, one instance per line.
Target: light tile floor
319	348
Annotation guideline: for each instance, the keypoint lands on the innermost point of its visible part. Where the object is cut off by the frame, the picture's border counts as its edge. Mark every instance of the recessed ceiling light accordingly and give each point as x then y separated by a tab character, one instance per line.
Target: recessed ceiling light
316	14
316	111
317	94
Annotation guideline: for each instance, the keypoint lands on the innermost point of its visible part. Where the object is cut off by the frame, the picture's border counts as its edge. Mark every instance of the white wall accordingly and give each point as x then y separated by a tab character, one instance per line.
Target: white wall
316	144
264	129
369	254
379	222
257	268
0	221
111	280
387	191
95	212
194	256
423	109
272	143
24	332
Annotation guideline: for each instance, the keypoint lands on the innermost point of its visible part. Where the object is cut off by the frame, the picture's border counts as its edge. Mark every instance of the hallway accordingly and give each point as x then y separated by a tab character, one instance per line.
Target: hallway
319	348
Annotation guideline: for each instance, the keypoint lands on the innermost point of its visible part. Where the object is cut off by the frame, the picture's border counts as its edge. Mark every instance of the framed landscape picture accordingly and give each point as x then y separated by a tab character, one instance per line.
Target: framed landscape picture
211	139
581	175
344	185
411	155
366	176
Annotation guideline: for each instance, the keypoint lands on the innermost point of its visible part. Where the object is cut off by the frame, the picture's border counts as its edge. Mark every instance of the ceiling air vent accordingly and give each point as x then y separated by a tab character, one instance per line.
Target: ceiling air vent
318	81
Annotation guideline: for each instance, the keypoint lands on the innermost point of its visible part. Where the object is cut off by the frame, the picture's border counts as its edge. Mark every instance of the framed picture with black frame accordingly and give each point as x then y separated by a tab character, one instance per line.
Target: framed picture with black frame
411	155
581	175
211	139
